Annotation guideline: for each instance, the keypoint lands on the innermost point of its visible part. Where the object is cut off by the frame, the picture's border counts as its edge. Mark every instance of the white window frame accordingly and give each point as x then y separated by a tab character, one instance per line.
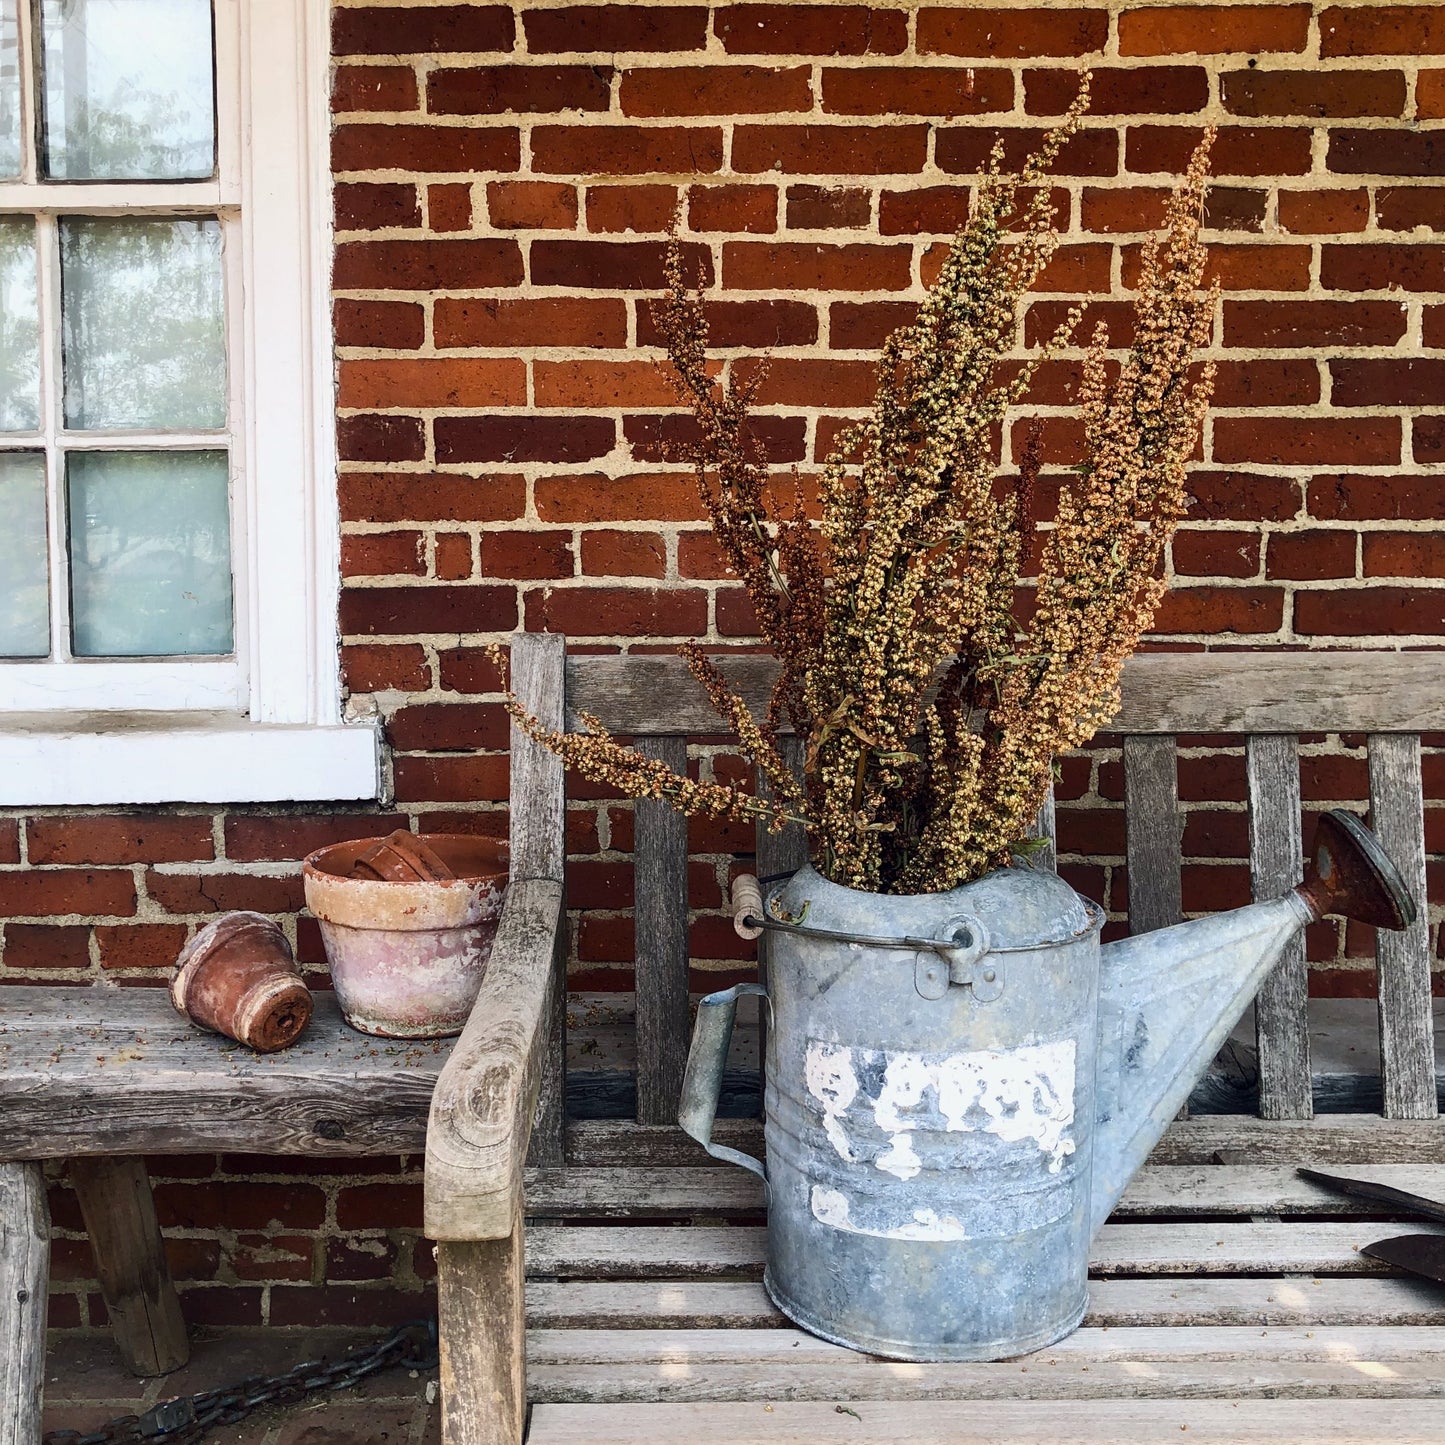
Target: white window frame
268	727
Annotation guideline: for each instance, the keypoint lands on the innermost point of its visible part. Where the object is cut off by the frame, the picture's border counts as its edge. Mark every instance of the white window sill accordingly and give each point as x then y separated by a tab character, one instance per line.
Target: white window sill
83	759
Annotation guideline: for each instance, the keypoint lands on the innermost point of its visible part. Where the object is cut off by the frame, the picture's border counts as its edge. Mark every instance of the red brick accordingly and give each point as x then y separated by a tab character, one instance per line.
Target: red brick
1141	208
526	554
261	838
498	89
1004	33
373	87
1306	441
1242	497
1310	556
810	30
469	779
937	210
1403	554
367	611
520	438
646	497
1324	212
1320	93
424	497
1386	152
139	945
1427	438
1263	267
617	611
449	727
1370	611
623	554
1290	324
359	1307
454	556
1403	208
822	208
813	266
631	208
625	150
1215	554
766	324
373	206
380	554
468	670
449	207
1430	95
30	946
532	205
1381	381
1382	30
358	1259
716	90
733	208
917	90
830	149
1213	29
194	892
368	668
90	838
274	1257
865	326
257	1206
412	148
433	382
700	555
1220	609
1382	267
1138	90
425	30
1073	268
525	321
674	436
393	325
965	150
1239	150
52	892
1266	381
9	840
620	265
611	28
1398	497
1432	326
821	381
426	265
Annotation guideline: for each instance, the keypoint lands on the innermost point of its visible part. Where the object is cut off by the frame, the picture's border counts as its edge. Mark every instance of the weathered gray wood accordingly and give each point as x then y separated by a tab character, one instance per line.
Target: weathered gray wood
1044	826
1276	857
481	1113
1163	692
1407	1031
24	1287
539	850
1154	829
660	912
118	1071
482	1331
974	1422
130	1263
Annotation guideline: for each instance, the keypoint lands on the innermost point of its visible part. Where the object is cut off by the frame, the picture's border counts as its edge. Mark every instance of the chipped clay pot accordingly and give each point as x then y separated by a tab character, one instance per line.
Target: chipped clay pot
407	957
958	1091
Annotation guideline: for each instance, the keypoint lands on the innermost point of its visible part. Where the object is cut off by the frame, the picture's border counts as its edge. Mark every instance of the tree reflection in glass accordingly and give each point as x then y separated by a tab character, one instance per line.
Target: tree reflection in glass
10	144
145	334
19	327
129	91
150	554
24	570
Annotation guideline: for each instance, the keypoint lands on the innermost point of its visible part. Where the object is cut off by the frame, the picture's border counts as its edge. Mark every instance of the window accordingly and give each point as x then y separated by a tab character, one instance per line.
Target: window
167	510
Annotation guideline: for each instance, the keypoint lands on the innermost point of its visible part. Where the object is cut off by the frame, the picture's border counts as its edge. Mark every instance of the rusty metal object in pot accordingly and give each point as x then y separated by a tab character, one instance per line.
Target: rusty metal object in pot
238	977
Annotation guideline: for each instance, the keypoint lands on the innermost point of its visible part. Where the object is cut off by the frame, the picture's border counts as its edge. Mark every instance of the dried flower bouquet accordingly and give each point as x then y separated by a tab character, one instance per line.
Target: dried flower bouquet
932	703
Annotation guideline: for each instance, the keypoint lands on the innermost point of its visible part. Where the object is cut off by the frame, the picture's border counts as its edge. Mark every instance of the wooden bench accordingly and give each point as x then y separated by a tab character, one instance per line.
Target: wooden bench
636	1262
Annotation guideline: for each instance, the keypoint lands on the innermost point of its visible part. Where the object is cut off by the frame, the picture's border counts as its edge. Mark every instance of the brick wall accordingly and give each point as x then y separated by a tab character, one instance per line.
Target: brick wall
504	177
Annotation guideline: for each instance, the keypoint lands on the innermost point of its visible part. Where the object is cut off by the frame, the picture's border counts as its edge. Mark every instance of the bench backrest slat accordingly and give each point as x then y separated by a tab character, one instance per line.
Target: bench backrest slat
1152	831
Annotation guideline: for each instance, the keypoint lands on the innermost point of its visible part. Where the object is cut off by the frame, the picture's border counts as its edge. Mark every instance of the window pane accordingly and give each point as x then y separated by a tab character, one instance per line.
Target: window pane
150	553
9	90
129	90
19	327
145	337
24	571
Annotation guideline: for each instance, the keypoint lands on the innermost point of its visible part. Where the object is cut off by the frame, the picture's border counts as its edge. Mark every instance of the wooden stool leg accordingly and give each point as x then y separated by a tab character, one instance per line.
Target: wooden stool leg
120	1217
24	1285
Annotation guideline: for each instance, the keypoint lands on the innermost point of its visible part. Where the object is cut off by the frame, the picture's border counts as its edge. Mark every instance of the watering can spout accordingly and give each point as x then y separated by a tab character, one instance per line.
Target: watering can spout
1168	999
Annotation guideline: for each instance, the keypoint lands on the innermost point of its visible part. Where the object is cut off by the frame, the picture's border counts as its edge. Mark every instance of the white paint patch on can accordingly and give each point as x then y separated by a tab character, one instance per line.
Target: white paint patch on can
830	1206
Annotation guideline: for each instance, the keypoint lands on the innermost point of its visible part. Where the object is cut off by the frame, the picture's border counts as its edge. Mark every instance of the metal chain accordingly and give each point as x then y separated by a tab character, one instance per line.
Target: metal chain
411	1346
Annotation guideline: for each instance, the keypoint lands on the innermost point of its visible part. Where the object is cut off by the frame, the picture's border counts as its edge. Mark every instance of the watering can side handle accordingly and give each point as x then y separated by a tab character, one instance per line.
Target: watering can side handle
702	1082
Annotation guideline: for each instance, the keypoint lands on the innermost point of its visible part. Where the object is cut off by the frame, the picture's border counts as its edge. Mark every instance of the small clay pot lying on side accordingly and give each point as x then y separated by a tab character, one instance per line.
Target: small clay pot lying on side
238	977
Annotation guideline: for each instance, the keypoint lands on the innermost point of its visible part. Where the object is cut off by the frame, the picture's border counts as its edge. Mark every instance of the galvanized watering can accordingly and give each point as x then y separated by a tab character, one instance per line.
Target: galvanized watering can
960	1085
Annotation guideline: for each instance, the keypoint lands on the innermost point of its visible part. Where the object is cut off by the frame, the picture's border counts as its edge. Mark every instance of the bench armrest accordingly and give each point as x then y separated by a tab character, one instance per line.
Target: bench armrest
481	1112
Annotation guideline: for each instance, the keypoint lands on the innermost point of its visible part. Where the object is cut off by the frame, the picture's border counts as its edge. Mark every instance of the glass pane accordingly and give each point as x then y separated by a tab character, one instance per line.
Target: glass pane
24	570
150	553
145	337
129	90
9	90
19	327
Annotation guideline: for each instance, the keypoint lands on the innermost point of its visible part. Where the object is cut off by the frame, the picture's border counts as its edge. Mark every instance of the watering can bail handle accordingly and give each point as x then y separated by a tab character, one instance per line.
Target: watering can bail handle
702	1081
1348	873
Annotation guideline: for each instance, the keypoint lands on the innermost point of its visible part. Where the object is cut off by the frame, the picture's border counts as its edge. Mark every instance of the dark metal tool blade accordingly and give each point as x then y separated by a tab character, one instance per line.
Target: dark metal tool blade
1380	1193
1422	1254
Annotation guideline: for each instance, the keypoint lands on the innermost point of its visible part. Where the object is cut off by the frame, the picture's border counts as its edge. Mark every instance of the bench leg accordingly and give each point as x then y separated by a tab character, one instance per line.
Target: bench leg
24	1285
482	1317
120	1217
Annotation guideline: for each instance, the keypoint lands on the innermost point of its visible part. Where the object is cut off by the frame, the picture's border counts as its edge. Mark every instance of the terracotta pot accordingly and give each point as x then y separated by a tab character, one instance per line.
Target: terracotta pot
238	977
408	953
